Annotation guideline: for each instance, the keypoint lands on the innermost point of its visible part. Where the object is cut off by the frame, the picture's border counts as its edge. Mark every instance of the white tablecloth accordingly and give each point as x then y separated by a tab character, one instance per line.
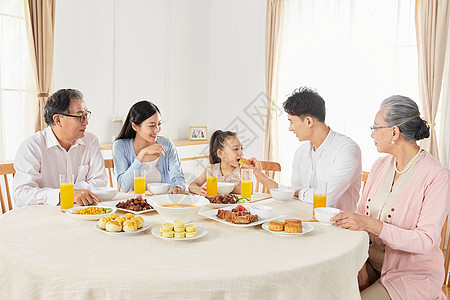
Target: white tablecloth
49	255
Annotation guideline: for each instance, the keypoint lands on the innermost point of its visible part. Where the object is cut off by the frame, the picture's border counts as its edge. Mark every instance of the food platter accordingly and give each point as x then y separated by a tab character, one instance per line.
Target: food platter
212	214
143	228
71	212
306	228
114	203
200	233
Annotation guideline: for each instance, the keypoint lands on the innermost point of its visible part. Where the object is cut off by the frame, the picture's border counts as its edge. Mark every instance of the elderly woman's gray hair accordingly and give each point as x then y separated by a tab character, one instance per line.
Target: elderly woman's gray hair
404	113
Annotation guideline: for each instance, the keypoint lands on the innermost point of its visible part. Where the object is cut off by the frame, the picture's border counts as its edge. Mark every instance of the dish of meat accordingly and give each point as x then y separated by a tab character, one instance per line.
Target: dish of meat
220	201
213	215
133	205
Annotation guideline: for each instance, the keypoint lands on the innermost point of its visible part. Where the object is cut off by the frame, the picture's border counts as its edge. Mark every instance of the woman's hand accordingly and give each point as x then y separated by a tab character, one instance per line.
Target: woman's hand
177	190
153	150
358	222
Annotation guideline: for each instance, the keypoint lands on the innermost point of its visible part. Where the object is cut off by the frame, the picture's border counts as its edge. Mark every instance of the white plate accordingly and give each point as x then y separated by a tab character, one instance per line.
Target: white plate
143	228
113	204
200	233
306	228
212	214
71	212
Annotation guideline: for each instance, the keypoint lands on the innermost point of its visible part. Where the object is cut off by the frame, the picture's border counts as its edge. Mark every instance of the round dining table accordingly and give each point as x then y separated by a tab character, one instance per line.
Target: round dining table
47	254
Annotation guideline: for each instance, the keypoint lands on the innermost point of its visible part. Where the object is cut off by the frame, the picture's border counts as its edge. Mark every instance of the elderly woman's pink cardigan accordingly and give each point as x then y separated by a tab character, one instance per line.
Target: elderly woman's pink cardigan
413	266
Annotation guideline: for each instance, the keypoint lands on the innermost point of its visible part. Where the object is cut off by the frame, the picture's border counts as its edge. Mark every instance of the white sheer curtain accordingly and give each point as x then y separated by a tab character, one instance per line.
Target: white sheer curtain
16	84
444	122
355	53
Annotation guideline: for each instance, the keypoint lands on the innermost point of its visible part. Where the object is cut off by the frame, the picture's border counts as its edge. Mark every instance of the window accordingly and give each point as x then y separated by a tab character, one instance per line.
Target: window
355	53
17	104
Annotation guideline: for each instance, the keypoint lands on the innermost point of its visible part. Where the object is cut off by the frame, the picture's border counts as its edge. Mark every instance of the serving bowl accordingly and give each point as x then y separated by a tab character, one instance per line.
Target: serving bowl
324	214
105	193
282	195
224	187
158	188
173	207
263	211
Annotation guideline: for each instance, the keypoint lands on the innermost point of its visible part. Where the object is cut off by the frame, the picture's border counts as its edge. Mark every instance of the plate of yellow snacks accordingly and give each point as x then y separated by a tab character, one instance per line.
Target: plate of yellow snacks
178	231
90	212
129	224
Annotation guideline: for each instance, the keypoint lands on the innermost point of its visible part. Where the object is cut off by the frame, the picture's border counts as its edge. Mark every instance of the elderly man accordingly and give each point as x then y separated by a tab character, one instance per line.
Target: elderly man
328	156
64	147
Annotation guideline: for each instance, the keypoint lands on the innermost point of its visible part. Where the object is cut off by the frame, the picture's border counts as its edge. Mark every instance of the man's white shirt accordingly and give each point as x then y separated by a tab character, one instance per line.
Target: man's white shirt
337	161
40	160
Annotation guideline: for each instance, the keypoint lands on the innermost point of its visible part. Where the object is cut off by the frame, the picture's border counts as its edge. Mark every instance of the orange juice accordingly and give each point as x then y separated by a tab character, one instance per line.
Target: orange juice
211	186
319	201
139	185
246	189
67	195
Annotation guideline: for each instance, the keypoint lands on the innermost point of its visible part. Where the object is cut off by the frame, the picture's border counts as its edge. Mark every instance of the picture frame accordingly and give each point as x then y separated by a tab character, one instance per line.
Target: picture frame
198	133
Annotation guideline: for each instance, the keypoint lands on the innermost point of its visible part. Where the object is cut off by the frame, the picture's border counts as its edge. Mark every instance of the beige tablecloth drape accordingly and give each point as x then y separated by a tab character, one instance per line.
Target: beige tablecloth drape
46	254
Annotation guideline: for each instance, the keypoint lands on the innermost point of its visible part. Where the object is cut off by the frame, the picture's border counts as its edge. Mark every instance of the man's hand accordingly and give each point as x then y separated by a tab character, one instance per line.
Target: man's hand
177	190
85	197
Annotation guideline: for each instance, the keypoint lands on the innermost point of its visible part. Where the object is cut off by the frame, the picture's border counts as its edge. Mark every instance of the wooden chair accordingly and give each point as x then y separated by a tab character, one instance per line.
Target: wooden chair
5	196
109	165
269	168
364	177
445	250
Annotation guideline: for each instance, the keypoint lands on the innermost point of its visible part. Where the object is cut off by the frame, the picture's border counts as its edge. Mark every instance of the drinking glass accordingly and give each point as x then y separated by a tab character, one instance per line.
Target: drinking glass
139	182
320	195
66	190
246	183
211	182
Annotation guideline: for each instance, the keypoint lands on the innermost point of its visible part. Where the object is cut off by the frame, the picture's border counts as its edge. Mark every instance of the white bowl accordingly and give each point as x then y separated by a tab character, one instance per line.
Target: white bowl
263	211
224	187
282	195
105	193
158	188
324	214
170	214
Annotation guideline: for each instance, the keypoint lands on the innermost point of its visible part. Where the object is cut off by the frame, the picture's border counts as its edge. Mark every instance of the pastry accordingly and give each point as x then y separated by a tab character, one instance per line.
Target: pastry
293	228
191	228
167	233
191	234
114	216
178	225
129	226
167	227
121	220
180	235
113	226
128	216
139	221
102	222
296	221
244	161
276	225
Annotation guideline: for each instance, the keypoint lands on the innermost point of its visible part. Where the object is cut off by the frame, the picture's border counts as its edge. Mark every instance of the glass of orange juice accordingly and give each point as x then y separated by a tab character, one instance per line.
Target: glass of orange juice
66	191
320	195
246	183
211	182
139	182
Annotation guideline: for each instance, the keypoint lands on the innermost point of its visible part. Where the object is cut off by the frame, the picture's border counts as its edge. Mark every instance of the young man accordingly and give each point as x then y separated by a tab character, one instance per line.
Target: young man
64	147
329	156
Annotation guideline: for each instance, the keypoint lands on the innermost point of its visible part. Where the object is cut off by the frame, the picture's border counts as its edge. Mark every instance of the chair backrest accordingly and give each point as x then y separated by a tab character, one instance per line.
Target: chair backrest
364	177
446	251
6	170
269	168
109	165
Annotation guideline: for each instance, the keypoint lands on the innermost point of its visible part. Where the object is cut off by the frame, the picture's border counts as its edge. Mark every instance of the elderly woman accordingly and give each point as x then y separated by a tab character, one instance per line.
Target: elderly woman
403	208
139	146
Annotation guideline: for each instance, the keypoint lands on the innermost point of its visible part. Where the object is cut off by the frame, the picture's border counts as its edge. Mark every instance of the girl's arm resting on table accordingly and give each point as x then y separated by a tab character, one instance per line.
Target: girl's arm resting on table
196	186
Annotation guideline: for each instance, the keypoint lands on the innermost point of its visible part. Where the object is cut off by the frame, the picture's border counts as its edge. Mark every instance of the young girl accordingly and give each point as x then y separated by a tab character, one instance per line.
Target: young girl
139	146
225	151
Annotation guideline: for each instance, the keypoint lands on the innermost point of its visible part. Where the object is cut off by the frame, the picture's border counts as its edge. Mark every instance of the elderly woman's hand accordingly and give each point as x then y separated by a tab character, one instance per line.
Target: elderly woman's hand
358	222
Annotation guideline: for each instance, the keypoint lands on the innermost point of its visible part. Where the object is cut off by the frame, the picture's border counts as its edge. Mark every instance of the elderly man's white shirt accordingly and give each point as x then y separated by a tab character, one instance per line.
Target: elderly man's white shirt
338	162
40	160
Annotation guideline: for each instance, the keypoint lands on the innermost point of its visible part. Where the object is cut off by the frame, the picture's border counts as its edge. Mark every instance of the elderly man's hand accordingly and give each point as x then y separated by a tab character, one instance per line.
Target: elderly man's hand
85	197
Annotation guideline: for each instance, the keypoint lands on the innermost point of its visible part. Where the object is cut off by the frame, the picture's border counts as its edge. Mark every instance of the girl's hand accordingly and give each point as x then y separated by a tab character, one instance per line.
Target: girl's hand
177	190
203	192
